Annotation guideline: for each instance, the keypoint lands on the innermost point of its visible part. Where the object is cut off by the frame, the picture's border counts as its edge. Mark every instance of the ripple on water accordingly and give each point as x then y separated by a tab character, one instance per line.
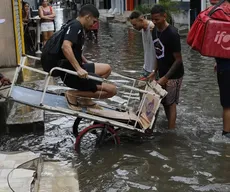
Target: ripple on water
186	180
211	152
218	138
160	156
212	187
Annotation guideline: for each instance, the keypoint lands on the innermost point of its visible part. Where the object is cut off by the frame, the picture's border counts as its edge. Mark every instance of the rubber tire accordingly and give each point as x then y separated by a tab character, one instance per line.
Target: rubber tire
90	128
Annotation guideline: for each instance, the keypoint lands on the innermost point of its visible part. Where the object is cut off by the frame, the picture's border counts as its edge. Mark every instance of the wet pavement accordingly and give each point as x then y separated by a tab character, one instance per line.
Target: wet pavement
194	157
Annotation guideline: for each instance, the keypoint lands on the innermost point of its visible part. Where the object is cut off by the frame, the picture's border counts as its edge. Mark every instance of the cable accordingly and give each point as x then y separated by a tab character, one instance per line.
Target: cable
8	182
18	167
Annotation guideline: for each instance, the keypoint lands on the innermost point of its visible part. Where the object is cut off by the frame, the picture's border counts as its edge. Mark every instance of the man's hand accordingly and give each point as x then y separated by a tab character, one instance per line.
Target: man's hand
5	81
82	73
162	81
152	76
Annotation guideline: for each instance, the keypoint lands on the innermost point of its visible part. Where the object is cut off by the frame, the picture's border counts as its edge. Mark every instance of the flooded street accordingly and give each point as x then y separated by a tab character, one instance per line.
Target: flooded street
194	157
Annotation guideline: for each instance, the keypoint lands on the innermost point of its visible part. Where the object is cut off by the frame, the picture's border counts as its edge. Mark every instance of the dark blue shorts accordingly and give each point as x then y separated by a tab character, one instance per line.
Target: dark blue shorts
223	78
78	83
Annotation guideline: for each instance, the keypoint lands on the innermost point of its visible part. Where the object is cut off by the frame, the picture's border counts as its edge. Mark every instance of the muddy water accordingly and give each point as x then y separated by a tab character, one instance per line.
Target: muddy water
194	157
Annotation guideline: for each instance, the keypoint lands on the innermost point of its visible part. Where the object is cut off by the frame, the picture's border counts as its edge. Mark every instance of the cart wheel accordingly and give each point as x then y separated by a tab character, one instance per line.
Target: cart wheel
95	136
76	124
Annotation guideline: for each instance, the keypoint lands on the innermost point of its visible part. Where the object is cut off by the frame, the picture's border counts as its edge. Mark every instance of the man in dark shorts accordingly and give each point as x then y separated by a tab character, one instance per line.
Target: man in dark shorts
223	77
169	63
72	49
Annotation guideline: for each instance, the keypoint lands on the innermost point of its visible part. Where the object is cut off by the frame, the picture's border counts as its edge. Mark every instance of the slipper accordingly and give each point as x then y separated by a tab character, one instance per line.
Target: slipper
79	103
85	101
79	107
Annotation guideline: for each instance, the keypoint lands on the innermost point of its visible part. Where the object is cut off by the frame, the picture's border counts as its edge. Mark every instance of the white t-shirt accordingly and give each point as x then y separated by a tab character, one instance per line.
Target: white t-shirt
149	51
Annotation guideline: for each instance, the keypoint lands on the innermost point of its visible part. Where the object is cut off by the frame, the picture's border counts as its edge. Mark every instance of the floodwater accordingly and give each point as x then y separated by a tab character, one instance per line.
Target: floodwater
194	157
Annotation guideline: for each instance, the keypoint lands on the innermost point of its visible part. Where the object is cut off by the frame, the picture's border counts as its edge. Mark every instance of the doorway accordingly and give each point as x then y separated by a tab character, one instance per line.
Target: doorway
195	8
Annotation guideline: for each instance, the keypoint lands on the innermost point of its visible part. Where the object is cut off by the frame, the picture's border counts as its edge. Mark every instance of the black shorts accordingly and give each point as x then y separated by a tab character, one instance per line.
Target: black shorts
224	87
78	83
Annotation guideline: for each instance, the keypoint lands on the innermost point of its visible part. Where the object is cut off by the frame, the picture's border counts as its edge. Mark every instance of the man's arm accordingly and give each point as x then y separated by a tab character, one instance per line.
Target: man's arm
68	53
176	49
152	75
177	63
71	38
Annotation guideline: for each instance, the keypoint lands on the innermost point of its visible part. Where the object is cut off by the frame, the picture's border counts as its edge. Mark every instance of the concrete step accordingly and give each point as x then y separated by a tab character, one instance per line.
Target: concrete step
24	119
58	177
18	169
30	172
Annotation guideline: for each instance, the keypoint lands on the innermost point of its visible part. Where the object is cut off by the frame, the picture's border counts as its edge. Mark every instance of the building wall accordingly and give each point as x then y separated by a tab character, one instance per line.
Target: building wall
7	37
183	17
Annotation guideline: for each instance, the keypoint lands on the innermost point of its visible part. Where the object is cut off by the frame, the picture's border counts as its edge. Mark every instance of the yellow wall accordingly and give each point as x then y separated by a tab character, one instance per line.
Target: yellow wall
19	37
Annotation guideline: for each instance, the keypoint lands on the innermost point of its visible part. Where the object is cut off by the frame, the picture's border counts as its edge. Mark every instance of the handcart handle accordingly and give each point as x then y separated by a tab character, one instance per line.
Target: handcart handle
75	73
31	57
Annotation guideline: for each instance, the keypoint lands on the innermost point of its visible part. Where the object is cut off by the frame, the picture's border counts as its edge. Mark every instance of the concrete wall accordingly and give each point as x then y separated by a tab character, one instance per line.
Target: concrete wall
7	38
33	3
181	18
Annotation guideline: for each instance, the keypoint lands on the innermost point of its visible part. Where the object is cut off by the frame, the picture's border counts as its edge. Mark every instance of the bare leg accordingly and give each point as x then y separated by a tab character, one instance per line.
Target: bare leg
166	108
226	119
103	70
49	34
44	37
170	112
104	91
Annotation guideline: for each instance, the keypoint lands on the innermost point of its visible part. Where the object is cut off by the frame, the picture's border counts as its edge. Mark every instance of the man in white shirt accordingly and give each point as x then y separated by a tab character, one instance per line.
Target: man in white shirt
145	26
